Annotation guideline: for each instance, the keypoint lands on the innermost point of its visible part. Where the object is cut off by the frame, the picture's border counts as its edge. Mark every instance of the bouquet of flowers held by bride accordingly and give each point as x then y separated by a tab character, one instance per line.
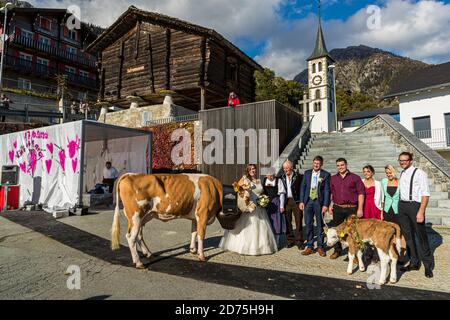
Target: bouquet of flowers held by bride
263	201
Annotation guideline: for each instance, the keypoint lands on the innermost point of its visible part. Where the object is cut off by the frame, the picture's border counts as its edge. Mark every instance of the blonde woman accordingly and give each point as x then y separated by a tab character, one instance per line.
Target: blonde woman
391	188
253	233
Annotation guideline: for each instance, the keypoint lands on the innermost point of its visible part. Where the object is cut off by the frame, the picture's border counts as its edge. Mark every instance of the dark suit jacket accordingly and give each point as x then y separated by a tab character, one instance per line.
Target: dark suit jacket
295	185
323	190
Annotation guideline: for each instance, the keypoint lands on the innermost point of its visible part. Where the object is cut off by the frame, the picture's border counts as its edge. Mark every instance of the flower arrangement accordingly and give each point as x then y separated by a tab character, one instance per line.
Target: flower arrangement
263	201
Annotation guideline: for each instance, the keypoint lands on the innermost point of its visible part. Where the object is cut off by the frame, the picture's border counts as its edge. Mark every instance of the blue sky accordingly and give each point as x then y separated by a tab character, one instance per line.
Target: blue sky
280	33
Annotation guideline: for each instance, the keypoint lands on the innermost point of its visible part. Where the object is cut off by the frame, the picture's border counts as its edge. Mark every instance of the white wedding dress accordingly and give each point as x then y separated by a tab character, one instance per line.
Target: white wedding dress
253	234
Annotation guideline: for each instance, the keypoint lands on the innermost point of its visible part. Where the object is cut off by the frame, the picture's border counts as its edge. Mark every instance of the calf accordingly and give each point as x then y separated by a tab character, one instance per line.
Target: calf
384	236
196	197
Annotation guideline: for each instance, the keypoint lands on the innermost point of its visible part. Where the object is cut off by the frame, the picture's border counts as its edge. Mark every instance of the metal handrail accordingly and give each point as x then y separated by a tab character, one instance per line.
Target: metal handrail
189	117
435	138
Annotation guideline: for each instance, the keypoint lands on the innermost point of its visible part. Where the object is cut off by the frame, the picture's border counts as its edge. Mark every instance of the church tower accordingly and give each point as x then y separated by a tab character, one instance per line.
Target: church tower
321	90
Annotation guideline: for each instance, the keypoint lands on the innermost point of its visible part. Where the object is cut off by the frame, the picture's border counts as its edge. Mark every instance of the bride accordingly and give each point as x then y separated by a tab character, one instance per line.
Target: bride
253	234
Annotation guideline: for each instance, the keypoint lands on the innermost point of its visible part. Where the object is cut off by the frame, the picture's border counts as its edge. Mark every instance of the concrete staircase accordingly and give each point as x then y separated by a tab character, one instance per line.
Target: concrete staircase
376	149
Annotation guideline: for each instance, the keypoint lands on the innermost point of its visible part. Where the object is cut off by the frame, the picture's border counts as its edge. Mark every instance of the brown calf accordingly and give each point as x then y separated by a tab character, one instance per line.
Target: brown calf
384	236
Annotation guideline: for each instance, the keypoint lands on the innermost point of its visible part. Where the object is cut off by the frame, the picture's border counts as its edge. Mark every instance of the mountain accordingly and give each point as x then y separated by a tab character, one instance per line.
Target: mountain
367	70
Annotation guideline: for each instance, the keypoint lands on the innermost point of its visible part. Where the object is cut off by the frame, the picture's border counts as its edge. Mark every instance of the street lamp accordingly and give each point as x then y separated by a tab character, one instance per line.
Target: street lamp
5	9
332	68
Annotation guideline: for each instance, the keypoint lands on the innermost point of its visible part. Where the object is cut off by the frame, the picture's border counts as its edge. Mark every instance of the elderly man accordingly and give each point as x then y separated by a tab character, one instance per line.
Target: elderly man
289	191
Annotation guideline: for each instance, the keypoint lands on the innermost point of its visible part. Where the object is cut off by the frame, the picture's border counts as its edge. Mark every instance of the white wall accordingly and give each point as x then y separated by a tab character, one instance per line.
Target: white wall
434	104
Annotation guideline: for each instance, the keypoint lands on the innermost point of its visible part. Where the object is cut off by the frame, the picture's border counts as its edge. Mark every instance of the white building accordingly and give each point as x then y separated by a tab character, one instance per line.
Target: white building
424	98
320	102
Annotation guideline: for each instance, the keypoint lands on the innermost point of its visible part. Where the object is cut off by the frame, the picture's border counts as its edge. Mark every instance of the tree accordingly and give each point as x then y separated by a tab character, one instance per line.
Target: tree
270	87
348	102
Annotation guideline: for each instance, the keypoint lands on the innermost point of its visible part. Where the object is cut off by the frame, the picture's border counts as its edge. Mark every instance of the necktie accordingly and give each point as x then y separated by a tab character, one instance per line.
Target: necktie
313	191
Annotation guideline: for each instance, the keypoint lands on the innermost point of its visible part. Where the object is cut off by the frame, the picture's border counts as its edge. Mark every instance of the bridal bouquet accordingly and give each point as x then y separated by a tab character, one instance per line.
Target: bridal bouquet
263	201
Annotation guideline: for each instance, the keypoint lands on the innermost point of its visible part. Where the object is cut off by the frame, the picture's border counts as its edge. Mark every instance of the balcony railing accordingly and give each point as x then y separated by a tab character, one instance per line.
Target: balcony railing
82	58
435	138
23	65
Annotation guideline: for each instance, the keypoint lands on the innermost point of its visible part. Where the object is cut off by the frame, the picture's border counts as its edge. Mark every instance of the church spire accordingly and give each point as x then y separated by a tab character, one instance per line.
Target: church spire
320	49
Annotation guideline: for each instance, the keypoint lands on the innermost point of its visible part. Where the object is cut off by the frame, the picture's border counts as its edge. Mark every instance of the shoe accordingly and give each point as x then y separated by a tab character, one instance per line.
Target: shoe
308	251
321	252
428	273
290	244
410	268
335	255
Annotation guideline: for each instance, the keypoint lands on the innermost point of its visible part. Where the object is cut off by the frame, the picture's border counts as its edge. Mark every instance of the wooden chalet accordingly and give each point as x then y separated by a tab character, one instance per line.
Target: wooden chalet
144	53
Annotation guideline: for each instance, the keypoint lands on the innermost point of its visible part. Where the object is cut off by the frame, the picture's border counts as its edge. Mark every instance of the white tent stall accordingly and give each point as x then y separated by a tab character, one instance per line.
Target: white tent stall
50	159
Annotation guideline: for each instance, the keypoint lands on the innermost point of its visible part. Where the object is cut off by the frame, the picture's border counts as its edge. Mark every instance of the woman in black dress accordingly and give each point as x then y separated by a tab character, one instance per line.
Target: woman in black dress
278	222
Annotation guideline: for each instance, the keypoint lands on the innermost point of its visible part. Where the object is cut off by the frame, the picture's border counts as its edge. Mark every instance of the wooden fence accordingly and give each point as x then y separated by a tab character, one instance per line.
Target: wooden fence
259	115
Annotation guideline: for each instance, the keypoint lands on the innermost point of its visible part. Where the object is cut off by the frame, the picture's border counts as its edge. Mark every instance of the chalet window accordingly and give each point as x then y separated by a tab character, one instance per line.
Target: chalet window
72	50
72	34
24	84
84	74
422	127
43	41
70	70
45	23
27	34
25	60
42	61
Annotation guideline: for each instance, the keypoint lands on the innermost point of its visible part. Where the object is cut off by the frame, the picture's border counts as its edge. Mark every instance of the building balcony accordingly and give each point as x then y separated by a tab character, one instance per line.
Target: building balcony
81	59
41	70
437	139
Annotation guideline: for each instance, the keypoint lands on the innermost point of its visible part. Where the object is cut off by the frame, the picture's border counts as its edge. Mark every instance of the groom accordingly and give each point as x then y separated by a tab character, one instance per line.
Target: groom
315	199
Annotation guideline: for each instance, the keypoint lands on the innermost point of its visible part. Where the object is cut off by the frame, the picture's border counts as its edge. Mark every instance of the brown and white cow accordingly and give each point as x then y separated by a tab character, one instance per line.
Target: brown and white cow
384	236
196	197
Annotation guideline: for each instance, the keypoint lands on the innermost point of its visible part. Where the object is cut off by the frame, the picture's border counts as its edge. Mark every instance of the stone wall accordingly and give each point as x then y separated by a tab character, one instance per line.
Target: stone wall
10	127
137	117
425	158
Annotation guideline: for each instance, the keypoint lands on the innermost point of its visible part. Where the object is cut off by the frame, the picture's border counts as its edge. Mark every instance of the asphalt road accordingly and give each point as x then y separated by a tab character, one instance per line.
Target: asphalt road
37	250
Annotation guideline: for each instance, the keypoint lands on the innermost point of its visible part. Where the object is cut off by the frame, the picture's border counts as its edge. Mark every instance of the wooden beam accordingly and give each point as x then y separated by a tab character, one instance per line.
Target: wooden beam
121	58
102	84
202	98
151	67
168	36
203	63
138	36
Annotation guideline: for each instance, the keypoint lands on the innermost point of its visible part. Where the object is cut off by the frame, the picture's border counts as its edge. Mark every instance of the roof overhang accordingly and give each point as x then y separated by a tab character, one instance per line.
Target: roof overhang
415	91
129	18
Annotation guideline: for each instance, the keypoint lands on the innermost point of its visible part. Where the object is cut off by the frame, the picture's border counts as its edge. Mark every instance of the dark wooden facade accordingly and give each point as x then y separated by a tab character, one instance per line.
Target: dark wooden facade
260	115
143	53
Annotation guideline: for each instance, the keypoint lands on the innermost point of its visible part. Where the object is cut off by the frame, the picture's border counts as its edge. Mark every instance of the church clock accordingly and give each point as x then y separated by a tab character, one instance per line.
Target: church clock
317	80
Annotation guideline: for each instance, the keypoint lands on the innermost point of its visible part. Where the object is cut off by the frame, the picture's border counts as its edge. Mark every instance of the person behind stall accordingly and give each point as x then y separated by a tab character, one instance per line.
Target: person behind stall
233	100
110	174
5	101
